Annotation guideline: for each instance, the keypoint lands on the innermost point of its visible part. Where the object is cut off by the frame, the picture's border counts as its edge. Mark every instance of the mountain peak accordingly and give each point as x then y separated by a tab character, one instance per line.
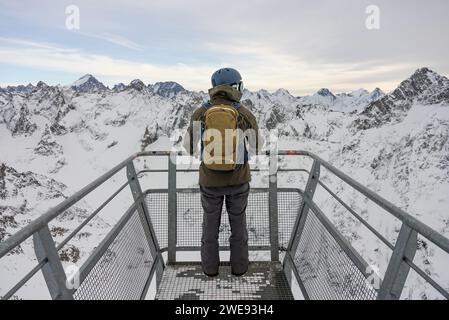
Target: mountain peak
376	93
263	91
88	83
424	73
424	70
119	87
324	92
20	89
282	91
41	84
167	89
137	84
424	85
359	92
84	79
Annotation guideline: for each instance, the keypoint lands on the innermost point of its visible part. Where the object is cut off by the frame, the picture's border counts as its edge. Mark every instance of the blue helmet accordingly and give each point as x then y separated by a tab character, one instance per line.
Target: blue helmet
227	76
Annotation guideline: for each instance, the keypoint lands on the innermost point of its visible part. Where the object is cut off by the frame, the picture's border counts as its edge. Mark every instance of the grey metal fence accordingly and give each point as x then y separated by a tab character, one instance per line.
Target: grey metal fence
323	262
124	264
190	215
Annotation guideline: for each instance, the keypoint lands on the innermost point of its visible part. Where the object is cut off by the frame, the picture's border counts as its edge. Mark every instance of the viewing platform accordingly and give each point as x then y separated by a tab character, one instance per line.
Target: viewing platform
296	251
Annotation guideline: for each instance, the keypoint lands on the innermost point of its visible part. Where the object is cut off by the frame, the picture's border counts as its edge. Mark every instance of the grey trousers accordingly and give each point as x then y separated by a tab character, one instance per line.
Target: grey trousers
236	198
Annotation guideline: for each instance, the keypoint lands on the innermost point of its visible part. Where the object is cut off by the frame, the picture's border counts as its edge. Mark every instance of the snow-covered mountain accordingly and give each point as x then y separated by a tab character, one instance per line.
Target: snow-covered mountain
354	101
424	87
395	143
88	84
24	196
167	89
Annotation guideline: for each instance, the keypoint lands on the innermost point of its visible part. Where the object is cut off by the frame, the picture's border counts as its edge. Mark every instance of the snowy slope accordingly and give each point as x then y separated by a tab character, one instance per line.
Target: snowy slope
24	196
394	143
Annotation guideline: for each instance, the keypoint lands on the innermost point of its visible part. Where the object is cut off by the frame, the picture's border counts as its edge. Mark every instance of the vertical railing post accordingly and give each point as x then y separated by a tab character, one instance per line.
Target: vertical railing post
397	270
287	266
159	272
53	272
301	218
144	216
172	207
273	205
304	210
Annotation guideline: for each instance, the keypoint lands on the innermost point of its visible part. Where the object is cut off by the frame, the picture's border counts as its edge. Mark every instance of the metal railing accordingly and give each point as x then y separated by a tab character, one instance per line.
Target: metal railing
322	261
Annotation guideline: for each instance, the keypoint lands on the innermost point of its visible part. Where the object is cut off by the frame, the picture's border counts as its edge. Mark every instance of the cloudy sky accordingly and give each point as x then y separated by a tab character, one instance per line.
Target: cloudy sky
298	45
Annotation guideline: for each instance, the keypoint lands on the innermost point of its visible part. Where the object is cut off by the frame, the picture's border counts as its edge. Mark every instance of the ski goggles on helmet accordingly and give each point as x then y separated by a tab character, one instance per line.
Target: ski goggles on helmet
238	86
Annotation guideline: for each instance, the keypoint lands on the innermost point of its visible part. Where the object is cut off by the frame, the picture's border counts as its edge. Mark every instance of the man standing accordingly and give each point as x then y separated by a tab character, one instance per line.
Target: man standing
227	132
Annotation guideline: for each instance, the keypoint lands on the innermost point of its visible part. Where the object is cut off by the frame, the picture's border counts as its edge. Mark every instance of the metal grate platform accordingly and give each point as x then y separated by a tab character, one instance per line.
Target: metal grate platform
280	221
186	281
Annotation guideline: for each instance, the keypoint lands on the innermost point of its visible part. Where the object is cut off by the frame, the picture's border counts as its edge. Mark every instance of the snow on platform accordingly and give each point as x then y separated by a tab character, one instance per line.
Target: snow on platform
186	281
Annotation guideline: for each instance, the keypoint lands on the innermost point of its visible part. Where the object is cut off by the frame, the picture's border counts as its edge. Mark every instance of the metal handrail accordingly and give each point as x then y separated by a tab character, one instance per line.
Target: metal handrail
426	277
357	216
24	280
407	220
41	221
44	219
90	217
405	217
35	225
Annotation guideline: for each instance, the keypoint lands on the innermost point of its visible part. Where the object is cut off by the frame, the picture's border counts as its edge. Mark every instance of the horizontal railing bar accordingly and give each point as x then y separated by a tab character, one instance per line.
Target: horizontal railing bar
194	248
432	282
195	190
196	170
262	153
284	152
227	248
411	221
44	219
406	218
154	170
102	247
37	224
355	214
159	153
293	170
27	277
88	219
358	261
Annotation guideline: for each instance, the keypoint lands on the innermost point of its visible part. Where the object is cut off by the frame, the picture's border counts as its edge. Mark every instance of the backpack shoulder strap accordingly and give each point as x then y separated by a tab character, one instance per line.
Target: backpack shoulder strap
207	105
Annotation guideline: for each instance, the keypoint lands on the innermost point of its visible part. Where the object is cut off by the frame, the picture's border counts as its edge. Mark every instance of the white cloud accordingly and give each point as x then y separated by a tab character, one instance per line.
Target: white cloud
261	67
51	57
115	39
299	45
266	67
16	43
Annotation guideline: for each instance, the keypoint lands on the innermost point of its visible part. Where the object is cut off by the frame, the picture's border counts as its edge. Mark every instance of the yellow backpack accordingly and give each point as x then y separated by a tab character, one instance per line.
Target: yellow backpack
220	137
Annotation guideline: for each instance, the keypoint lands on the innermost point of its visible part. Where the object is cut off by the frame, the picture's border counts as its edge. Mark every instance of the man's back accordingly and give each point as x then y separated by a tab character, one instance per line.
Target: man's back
217	185
246	121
